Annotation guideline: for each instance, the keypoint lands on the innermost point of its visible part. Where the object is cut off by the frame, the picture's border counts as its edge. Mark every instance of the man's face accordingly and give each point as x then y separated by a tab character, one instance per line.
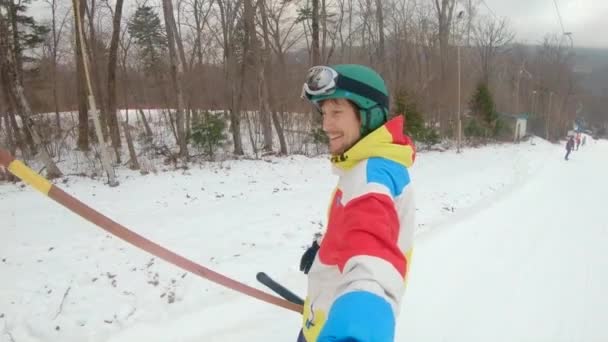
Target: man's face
341	124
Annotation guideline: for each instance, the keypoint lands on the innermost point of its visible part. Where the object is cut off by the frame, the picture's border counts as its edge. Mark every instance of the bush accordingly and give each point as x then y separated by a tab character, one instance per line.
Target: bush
482	105
208	132
474	129
485	122
432	137
319	137
414	120
503	129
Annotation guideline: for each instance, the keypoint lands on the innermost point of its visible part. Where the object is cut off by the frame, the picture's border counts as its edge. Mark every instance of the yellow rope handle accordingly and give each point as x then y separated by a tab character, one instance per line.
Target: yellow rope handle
28	175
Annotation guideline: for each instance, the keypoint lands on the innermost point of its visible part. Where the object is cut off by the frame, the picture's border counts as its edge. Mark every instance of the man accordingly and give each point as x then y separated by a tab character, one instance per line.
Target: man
357	269
569	146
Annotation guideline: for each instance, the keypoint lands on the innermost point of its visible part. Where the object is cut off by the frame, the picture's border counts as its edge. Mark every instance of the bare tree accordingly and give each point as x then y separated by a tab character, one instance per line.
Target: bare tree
92	45
282	38
133	162
14	86
112	63
255	58
200	15
104	156
10	122
553	70
56	31
83	114
267	78
124	43
445	14
380	19
177	72
316	52
10	138
491	37
12	18
228	18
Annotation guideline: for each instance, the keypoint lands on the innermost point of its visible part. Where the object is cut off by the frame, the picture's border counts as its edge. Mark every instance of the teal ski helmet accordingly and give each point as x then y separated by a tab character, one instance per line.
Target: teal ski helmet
358	83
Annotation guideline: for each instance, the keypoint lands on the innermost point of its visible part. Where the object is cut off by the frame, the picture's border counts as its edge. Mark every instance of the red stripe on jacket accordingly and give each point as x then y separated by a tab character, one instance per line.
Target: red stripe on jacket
367	225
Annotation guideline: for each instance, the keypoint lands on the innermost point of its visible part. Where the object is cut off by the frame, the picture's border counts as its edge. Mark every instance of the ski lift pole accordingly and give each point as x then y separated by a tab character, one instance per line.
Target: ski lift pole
47	188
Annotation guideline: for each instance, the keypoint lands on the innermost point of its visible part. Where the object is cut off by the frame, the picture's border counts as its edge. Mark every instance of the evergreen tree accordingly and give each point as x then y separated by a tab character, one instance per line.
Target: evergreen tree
484	116
149	36
27	34
482	105
414	121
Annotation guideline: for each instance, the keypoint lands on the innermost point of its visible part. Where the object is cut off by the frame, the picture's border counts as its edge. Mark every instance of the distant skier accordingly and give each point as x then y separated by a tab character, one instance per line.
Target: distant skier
357	272
569	146
578	140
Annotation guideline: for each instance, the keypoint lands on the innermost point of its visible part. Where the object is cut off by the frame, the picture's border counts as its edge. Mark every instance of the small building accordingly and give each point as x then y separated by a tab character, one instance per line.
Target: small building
517	123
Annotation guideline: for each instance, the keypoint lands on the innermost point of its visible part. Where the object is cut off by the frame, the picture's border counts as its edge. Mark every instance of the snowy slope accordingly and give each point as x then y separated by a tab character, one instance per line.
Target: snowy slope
66	280
531	267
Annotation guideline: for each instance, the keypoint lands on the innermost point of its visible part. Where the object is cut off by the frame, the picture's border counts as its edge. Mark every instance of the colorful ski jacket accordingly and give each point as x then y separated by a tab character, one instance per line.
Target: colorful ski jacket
368	242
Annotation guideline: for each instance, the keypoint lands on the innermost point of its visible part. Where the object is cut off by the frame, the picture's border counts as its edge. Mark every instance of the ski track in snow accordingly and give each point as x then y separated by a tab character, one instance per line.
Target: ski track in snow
240	217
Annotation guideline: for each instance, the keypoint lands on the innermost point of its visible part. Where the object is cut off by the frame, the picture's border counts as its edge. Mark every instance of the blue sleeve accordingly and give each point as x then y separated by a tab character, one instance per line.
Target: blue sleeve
388	173
359	316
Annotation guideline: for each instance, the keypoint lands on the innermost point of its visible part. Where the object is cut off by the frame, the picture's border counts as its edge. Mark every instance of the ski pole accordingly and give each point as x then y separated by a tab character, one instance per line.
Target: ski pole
47	188
278	288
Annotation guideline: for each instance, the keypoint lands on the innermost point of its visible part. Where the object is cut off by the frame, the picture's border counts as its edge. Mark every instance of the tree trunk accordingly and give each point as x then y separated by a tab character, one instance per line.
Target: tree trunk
350	31
93	52
230	71
12	43
323	43
145	122
265	111
258	70
104	156
10	122
112	62
199	37
445	13
316	57
269	94
83	114
29	138
189	115
176	78
12	146
134	163
54	67
381	52
182	71
235	114
17	133
251	136
7	124
6	77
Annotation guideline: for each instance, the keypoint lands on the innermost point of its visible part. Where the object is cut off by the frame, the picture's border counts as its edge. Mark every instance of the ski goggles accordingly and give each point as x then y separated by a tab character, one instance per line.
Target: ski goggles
324	80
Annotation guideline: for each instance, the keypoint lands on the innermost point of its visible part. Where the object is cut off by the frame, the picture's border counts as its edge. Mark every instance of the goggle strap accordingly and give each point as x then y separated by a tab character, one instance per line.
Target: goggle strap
362	89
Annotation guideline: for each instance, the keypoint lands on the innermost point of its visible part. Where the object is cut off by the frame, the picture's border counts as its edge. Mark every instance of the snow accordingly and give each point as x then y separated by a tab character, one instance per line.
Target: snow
509	247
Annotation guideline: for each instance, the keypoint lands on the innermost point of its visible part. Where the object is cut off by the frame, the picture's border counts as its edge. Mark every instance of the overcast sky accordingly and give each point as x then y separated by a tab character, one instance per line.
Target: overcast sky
530	19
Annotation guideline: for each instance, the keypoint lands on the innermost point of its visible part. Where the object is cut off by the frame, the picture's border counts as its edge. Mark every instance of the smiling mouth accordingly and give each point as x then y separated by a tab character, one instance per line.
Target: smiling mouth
335	138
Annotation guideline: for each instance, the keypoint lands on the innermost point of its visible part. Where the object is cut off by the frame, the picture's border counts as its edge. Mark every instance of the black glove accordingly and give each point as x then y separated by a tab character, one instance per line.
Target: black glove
309	257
